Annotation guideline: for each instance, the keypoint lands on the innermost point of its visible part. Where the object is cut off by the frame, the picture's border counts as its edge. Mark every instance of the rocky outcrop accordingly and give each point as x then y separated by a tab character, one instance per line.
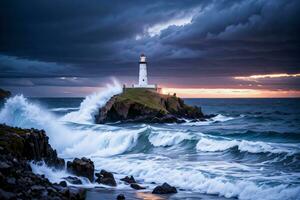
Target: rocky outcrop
146	106
128	179
4	94
136	186
121	197
82	167
106	178
17	181
164	189
29	144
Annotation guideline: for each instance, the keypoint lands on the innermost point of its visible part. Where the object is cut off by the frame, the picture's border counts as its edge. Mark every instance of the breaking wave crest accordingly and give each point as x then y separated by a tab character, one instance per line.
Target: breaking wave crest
211	145
92	103
71	141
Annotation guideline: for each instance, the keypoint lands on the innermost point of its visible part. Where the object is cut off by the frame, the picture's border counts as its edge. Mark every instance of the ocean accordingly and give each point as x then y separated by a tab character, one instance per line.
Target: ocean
250	150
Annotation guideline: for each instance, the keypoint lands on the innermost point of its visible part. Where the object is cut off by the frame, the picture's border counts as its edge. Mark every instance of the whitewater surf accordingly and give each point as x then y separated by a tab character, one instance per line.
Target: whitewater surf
245	152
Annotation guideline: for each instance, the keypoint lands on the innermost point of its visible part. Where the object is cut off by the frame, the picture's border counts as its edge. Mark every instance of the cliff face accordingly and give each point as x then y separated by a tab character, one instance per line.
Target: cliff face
4	94
142	105
17	181
29	144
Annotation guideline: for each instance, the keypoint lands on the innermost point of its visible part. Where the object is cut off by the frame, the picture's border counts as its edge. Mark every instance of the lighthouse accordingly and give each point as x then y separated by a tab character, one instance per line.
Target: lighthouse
143	80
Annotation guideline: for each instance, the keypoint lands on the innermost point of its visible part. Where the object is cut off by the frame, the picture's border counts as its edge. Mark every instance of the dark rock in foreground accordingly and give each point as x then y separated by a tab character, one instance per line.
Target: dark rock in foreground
136	186
164	189
17	181
128	179
106	178
82	167
4	94
146	106
30	144
121	197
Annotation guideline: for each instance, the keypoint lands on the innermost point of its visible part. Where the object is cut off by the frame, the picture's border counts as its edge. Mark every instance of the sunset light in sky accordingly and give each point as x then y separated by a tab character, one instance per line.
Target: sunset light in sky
283	75
230	93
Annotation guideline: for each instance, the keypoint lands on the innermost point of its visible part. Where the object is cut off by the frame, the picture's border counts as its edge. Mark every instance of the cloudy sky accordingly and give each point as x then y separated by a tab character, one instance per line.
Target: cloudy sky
201	48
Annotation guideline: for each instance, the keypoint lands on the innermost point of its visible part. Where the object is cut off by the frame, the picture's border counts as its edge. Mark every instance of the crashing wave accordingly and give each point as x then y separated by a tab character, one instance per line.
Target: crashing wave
211	145
90	105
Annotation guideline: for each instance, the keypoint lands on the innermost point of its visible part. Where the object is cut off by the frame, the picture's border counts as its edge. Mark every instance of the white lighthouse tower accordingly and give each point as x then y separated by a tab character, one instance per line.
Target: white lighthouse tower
143	79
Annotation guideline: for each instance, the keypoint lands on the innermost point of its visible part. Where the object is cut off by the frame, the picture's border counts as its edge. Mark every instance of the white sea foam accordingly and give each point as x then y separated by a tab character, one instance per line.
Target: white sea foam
64	109
91	104
218	118
184	176
221	118
212	145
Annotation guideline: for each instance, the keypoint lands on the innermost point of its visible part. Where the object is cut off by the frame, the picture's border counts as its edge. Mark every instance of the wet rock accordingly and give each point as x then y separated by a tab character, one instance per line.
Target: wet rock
37	188
73	180
121	197
6	195
11	180
164	189
77	193
82	167
63	183
106	178
4	94
136	186
128	179
17	181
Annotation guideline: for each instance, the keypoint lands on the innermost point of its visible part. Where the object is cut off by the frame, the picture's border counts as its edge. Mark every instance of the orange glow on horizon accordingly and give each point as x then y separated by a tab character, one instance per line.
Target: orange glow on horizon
261	76
230	93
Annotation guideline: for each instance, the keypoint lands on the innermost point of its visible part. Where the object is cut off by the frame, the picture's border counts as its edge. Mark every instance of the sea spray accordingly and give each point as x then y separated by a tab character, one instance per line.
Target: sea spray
18	111
92	103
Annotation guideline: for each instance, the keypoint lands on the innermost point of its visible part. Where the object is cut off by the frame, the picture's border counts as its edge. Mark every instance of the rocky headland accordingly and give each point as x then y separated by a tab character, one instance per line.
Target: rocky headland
146	106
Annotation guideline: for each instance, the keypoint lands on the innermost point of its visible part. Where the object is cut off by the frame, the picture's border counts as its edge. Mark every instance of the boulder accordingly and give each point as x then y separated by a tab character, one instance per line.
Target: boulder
128	179
63	183
164	189
121	197
106	178
82	167
136	186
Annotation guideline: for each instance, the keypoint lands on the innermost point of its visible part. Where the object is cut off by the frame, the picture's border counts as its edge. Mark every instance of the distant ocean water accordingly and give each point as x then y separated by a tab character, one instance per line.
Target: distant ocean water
250	150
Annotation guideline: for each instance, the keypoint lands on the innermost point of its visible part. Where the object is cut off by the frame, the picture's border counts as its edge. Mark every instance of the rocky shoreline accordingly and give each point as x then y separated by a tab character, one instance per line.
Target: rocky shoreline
146	106
19	147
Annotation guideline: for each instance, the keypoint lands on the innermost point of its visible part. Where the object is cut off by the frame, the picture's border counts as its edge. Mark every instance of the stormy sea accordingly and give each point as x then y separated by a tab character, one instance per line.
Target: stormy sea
249	150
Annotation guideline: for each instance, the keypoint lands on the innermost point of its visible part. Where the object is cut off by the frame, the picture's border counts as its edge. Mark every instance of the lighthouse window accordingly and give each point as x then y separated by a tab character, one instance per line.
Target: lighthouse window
143	80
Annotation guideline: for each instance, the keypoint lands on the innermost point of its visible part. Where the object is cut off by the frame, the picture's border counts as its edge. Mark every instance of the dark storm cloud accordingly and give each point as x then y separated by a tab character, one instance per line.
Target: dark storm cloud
43	38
